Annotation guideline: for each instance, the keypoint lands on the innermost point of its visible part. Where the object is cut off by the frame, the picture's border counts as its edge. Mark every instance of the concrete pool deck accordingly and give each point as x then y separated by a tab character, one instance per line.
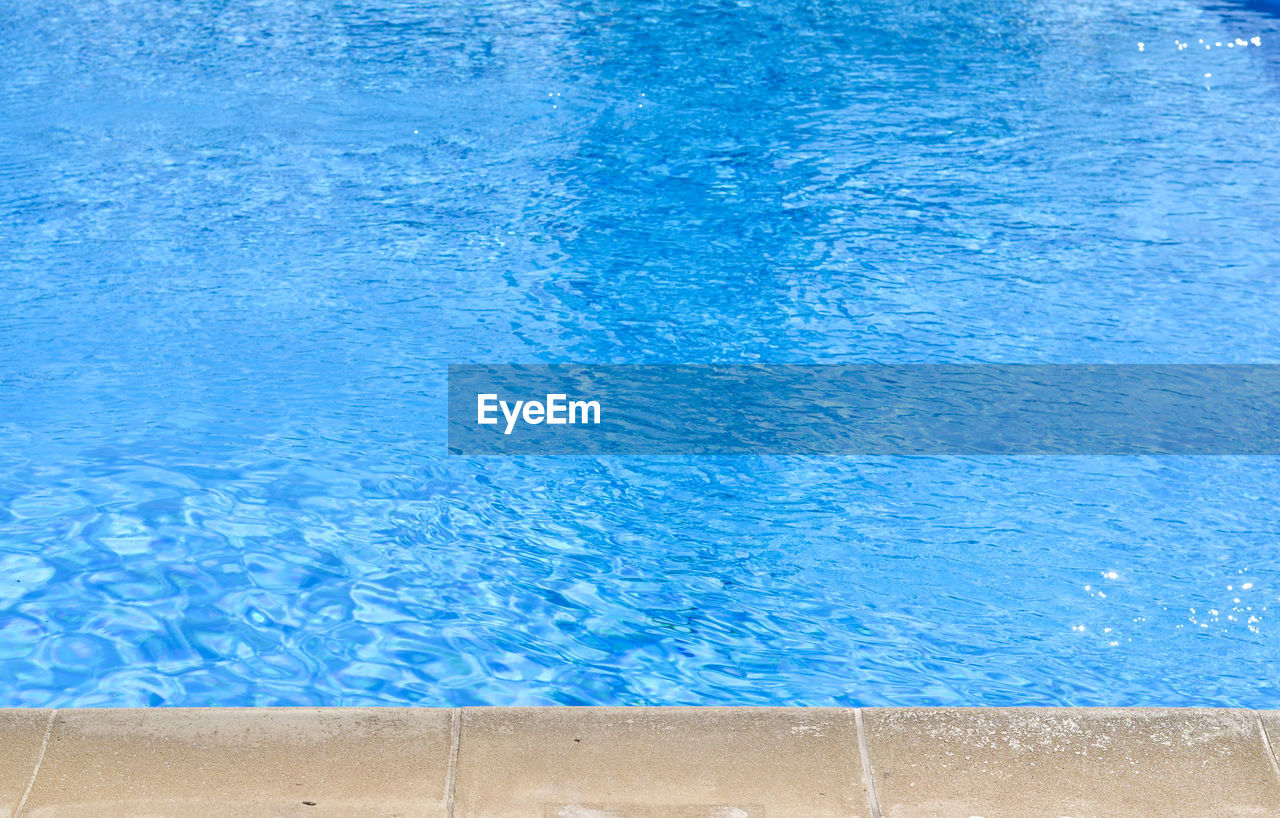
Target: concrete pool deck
640	762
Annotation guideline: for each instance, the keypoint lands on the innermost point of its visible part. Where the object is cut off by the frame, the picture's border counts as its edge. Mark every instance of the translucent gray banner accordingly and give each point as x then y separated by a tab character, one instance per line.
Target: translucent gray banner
864	409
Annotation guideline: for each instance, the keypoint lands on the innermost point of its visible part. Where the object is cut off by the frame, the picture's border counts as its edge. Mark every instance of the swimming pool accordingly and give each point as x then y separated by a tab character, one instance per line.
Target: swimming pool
242	243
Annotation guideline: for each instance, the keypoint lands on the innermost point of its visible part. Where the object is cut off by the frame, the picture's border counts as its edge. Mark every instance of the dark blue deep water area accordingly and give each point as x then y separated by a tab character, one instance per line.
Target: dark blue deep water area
240	243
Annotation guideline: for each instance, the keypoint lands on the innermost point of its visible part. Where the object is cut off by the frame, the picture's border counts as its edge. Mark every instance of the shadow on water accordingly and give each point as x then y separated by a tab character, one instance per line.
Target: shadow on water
742	155
1243	11
1271	7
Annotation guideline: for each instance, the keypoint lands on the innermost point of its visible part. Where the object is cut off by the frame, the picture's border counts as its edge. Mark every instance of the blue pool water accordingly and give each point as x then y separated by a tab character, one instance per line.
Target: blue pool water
240	243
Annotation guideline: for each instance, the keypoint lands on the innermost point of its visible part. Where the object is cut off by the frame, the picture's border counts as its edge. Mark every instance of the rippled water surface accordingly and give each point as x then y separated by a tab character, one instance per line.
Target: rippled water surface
240	242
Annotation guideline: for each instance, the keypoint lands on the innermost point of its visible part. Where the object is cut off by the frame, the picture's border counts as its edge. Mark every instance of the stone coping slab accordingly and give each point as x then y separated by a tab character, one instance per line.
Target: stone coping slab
1116	763
693	762
640	762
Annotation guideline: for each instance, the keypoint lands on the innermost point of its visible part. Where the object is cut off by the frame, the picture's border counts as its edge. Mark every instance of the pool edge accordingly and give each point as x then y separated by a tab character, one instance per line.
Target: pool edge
640	762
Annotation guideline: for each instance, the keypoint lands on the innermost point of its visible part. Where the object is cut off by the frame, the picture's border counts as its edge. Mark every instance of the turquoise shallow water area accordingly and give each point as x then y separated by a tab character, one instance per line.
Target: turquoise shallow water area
242	242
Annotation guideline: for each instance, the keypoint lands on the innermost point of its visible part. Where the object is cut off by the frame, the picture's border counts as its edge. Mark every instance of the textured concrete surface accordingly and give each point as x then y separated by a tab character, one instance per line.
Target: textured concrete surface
1078	763
640	763
1270	720
21	735
215	762
646	763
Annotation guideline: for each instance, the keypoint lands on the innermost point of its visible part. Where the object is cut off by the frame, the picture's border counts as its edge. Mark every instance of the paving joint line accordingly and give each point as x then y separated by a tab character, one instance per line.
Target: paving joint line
44	746
1266	744
451	775
865	753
